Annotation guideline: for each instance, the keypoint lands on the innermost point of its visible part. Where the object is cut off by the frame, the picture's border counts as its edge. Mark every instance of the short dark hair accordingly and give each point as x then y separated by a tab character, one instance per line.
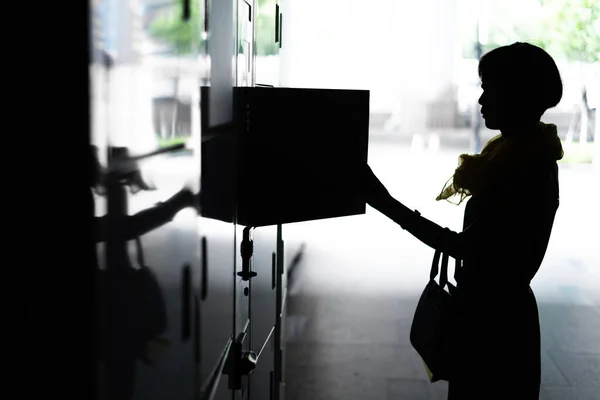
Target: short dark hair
524	68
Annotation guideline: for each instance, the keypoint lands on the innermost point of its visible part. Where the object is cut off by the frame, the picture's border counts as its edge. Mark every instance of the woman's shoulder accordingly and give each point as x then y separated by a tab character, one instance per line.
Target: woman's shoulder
533	173
536	183
533	180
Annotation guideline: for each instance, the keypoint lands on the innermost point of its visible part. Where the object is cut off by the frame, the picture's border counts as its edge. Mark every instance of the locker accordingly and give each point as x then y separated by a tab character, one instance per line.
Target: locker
271	166
226	318
316	138
216	296
285	255
262	309
192	288
242	328
146	226
218	284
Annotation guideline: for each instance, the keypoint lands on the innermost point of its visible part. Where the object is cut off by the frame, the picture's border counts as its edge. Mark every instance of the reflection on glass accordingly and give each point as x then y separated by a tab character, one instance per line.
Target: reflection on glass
145	69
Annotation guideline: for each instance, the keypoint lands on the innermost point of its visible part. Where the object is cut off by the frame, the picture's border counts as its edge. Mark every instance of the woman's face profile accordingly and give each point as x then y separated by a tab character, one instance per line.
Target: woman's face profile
493	106
504	106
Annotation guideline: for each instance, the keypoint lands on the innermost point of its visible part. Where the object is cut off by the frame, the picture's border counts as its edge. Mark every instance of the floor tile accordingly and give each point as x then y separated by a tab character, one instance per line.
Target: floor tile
322	383
372	360
402	389
357	329
570	393
578	369
578	340
551	375
295	328
383	306
553	316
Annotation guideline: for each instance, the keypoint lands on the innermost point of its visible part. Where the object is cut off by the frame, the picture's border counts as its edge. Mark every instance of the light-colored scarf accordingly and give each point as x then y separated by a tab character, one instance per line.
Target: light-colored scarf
477	172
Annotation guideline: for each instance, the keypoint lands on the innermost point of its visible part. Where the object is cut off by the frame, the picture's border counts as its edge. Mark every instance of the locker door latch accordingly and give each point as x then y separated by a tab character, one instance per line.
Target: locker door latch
247	251
240	363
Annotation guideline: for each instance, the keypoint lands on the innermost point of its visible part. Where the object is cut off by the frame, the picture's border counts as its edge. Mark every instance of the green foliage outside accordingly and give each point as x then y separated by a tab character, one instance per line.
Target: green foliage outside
265	28
185	37
568	29
571	29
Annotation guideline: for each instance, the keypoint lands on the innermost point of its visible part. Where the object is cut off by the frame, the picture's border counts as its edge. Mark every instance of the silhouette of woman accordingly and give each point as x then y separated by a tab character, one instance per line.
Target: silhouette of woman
514	196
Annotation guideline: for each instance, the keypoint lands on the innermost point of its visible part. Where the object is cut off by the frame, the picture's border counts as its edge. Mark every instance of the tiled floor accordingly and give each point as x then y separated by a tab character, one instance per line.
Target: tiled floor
351	306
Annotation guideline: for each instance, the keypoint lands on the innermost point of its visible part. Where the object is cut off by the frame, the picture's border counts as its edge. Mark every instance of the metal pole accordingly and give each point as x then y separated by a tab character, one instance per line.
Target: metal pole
596	159
476	116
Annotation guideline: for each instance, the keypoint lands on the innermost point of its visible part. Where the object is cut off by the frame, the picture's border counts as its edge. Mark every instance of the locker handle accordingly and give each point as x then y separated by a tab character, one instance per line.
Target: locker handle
197	349
204	283
247	251
186	302
280	30
273	269
205	16
186	10
276	23
271	385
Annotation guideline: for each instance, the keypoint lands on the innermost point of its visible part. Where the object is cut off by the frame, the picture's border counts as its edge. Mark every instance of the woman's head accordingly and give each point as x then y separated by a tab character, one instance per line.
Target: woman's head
520	82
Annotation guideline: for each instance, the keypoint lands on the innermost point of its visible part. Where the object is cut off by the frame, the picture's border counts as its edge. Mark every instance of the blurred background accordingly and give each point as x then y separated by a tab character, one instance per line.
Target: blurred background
355	288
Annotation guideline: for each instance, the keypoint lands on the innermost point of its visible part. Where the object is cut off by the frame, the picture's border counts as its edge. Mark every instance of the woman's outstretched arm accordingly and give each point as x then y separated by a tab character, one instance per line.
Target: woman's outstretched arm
428	232
519	224
130	227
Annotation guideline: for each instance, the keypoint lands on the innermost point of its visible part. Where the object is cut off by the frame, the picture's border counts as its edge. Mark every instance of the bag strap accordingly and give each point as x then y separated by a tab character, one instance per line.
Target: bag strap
435	265
435	268
444	271
140	252
457	267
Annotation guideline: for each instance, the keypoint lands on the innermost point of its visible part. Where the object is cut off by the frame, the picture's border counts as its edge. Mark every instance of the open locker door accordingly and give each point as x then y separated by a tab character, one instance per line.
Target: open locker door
300	153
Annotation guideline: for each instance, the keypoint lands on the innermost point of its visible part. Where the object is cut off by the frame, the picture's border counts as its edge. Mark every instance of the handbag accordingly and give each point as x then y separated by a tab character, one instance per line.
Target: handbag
133	311
432	332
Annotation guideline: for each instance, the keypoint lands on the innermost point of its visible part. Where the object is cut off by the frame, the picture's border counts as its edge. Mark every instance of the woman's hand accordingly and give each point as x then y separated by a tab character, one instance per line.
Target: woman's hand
183	199
375	193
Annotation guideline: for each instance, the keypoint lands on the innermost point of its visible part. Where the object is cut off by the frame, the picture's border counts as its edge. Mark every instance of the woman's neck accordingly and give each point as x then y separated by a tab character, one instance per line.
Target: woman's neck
519	131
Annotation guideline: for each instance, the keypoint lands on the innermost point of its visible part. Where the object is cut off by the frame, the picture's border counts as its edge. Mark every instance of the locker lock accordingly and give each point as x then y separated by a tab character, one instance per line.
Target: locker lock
247	251
240	363
248	363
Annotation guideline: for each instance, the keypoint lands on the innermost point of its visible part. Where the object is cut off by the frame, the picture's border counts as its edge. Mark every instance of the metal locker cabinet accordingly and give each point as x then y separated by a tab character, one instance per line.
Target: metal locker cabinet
217	242
241	360
283	260
217	304
219	297
147	286
262	309
264	302
274	135
244	78
218	287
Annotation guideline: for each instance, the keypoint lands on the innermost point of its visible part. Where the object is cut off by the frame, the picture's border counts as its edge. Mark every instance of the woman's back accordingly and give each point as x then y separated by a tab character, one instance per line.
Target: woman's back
525	202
